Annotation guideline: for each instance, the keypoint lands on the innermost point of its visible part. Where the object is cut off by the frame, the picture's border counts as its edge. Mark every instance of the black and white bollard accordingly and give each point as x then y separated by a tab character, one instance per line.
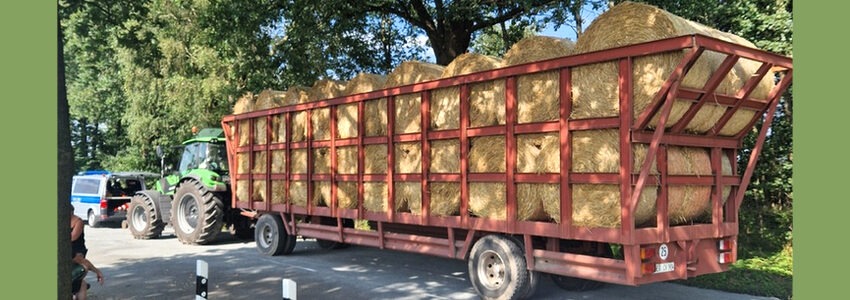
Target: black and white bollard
201	280
289	290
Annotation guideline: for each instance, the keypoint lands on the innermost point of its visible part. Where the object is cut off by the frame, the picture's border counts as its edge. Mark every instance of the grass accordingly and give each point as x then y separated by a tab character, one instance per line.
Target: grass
760	276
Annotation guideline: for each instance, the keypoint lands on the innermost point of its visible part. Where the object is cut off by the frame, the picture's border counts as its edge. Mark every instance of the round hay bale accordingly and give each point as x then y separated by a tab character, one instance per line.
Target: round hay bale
631	23
375	196
487	200
278	129
321	193
346	121
326	89
364	83
538	94
321	161
321	124
688	161
539	153
299	126
407	113
298	161
375	160
530	198
445	108
445	198
639	152
269	98
346	160
598	205
260	131
595	91
259	163
298	193
408	157
259	191
486	99
242	163
346	194
375	116
445	156
244	104
410	72
296	95
687	202
596	151
278	161
242	191
739	121
278	191
408	197
487	154
536	48
244	133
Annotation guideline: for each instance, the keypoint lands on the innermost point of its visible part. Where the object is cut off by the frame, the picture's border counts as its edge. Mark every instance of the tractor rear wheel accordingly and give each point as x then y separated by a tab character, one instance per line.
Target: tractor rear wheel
142	218
197	214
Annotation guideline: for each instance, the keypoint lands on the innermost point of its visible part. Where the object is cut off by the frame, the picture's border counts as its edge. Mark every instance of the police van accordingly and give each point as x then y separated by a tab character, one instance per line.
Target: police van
103	196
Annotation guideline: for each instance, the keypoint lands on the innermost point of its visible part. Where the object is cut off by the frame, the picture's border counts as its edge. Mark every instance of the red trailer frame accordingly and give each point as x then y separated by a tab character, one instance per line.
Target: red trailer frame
693	249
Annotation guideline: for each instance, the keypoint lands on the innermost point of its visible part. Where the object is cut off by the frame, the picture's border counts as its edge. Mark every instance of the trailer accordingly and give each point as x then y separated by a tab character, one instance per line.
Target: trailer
508	256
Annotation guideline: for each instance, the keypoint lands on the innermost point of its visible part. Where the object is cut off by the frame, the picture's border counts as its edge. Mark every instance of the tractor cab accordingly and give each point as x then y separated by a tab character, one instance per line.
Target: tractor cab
204	152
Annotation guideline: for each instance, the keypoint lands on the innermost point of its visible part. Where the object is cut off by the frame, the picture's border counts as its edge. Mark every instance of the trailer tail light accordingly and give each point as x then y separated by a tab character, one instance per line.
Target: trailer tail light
647	268
725	258
725	245
647	253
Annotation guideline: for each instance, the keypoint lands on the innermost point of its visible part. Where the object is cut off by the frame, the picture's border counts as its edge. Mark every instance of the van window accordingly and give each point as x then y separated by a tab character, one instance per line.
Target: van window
86	186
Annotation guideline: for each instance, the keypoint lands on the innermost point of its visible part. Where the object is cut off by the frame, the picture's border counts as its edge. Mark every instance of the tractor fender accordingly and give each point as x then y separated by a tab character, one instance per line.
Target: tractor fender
216	187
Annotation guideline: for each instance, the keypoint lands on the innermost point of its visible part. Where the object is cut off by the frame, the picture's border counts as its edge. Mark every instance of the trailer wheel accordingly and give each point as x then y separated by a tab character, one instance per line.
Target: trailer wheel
498	270
143	221
197	213
92	220
271	237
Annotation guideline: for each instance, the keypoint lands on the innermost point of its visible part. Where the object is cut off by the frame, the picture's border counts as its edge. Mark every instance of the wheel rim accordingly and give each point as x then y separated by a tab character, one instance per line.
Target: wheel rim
139	218
187	213
91	220
491	270
266	236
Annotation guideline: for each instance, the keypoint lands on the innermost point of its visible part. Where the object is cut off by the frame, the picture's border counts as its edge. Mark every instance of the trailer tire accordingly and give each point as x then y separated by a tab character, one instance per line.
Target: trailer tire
197	214
498	270
143	221
92	220
271	236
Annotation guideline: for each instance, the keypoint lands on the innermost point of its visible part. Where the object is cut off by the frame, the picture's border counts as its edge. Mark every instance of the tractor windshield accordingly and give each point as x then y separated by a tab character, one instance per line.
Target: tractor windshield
203	155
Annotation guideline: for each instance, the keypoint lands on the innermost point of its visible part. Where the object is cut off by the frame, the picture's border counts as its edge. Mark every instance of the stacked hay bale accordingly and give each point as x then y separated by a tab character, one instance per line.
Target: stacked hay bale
347	113
243	105
537	154
538	94
486	99
321	118
595	90
407	156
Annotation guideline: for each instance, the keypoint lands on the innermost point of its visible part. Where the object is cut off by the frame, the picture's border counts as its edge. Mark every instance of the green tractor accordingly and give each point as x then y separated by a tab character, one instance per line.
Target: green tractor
194	199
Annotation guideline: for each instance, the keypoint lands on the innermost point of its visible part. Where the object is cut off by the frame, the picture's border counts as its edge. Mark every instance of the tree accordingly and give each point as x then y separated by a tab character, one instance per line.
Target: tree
65	163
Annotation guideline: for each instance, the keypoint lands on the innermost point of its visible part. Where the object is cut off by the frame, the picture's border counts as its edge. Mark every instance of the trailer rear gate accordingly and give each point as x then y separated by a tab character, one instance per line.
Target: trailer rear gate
650	254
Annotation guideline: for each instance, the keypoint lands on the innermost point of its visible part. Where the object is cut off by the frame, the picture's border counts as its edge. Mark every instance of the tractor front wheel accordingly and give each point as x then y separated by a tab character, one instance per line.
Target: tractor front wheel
143	221
197	214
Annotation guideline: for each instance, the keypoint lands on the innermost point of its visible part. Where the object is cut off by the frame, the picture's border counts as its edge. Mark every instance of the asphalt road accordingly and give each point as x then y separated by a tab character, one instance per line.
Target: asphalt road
165	269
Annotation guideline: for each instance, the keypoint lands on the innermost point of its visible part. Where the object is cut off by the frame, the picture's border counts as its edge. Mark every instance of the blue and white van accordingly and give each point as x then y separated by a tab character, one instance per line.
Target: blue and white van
103	196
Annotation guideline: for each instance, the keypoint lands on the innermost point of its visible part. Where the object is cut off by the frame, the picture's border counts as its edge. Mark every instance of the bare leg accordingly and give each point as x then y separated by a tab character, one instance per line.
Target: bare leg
81	295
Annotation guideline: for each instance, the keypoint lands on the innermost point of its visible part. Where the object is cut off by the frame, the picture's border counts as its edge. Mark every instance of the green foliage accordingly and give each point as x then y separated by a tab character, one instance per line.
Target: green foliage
498	39
770	276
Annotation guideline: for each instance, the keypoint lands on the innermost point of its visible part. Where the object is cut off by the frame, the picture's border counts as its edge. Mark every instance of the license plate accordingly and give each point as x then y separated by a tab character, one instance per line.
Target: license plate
664	267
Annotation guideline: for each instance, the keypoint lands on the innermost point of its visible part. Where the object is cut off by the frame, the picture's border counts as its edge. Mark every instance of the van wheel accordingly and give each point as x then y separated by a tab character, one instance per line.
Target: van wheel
92	219
498	270
143	221
271	236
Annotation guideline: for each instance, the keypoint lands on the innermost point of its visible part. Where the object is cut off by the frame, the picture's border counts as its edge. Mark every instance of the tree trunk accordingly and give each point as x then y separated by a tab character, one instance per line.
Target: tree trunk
450	43
65	172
